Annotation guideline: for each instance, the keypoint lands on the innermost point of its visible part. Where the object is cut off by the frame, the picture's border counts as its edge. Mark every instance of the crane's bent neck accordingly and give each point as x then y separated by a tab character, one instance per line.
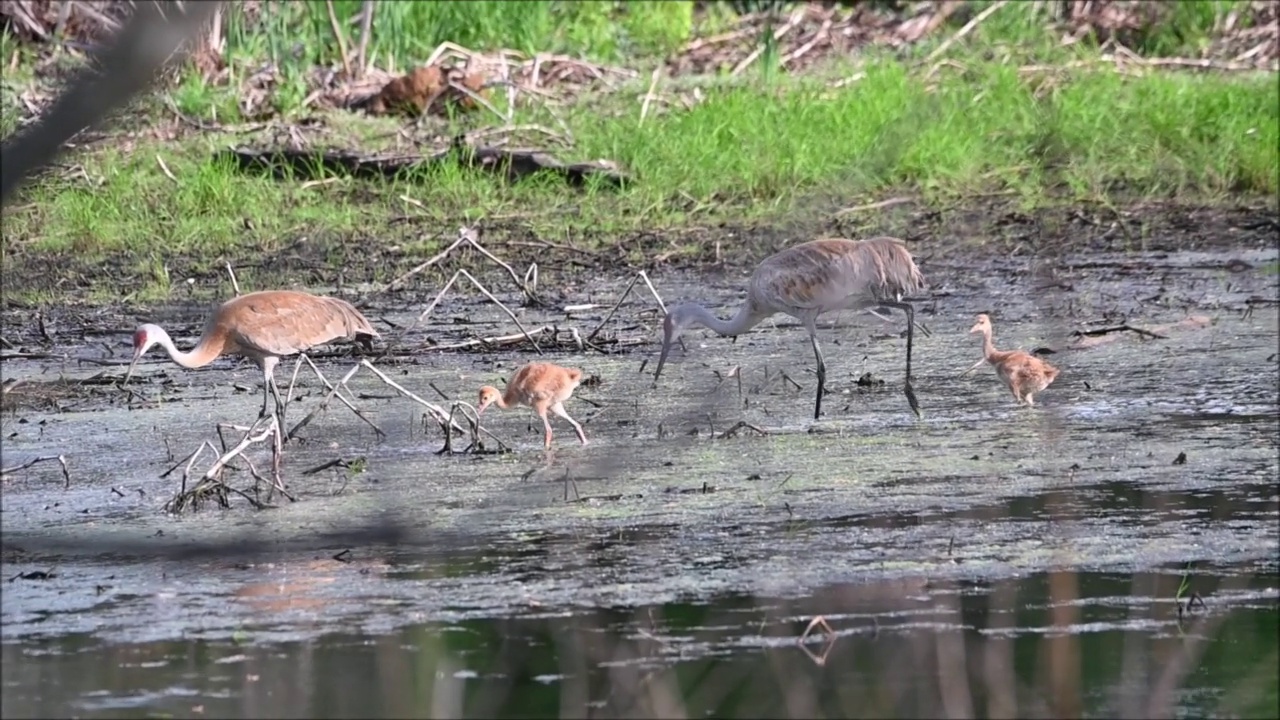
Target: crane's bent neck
202	354
746	318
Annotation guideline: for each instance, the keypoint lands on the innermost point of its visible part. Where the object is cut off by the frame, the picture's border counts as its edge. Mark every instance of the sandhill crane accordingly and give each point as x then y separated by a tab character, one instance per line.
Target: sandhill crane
808	280
541	386
263	326
1024	373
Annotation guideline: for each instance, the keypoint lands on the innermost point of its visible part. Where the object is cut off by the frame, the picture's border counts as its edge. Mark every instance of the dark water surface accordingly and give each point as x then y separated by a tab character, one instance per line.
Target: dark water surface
1048	645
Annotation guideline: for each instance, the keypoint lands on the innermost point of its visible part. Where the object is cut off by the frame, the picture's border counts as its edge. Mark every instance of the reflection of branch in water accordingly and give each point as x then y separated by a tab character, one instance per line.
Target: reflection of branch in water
818	622
153	35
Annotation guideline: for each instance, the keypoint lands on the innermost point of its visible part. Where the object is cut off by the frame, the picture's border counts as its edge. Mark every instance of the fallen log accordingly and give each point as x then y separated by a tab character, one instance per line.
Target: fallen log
512	165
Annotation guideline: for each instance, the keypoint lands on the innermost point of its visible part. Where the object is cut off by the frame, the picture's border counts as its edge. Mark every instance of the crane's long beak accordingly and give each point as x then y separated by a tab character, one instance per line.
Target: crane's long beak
132	365
662	359
668	330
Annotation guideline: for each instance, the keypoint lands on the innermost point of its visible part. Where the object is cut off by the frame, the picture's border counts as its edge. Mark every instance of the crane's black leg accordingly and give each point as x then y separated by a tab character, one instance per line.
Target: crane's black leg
822	372
911	323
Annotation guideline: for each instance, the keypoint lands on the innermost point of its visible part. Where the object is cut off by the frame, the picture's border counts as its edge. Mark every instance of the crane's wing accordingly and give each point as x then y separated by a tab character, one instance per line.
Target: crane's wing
812	276
829	273
287	322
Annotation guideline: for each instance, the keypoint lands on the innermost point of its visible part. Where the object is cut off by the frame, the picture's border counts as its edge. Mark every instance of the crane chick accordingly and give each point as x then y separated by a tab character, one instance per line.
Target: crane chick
541	386
1024	373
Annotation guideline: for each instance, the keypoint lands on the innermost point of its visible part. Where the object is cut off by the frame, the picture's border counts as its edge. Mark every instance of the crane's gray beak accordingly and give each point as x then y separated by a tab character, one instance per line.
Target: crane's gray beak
668	330
132	365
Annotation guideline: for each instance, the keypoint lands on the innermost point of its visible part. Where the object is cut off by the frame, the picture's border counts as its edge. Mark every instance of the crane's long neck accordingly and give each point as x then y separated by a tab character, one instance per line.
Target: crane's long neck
682	316
989	347
746	318
202	354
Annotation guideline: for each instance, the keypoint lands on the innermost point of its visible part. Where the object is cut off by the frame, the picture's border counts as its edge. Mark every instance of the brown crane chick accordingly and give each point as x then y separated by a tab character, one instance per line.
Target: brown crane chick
1024	373
541	386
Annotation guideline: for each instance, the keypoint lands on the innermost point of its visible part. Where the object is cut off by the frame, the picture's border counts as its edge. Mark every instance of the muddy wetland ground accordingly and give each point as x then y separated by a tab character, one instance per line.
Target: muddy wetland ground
1111	552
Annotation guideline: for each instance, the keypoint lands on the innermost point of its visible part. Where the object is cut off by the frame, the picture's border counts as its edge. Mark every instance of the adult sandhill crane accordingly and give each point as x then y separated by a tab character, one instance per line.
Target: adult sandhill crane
541	386
263	326
1023	373
808	280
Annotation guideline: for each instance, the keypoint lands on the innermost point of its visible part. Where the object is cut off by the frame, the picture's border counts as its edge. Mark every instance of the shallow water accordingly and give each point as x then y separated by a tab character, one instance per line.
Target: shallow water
666	570
1012	647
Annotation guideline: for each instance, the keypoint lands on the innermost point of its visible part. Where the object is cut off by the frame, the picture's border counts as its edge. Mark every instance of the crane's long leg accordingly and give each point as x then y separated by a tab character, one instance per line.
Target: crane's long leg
275	391
558	409
266	395
822	370
270	391
546	424
911	323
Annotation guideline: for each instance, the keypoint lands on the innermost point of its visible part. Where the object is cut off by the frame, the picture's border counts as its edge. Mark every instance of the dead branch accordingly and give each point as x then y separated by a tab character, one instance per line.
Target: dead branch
778	34
514	165
270	427
968	28
235	284
469	236
493	342
61	460
742	425
482	289
648	97
436	411
324	404
366	26
340	37
642	275
1120	328
875	205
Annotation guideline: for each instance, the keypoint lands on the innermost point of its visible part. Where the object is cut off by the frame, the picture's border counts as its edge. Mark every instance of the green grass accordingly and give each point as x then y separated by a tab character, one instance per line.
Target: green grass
762	149
404	33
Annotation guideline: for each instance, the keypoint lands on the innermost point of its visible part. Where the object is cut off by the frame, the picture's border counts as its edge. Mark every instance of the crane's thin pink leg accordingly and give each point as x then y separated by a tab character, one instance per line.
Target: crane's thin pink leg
546	424
558	409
